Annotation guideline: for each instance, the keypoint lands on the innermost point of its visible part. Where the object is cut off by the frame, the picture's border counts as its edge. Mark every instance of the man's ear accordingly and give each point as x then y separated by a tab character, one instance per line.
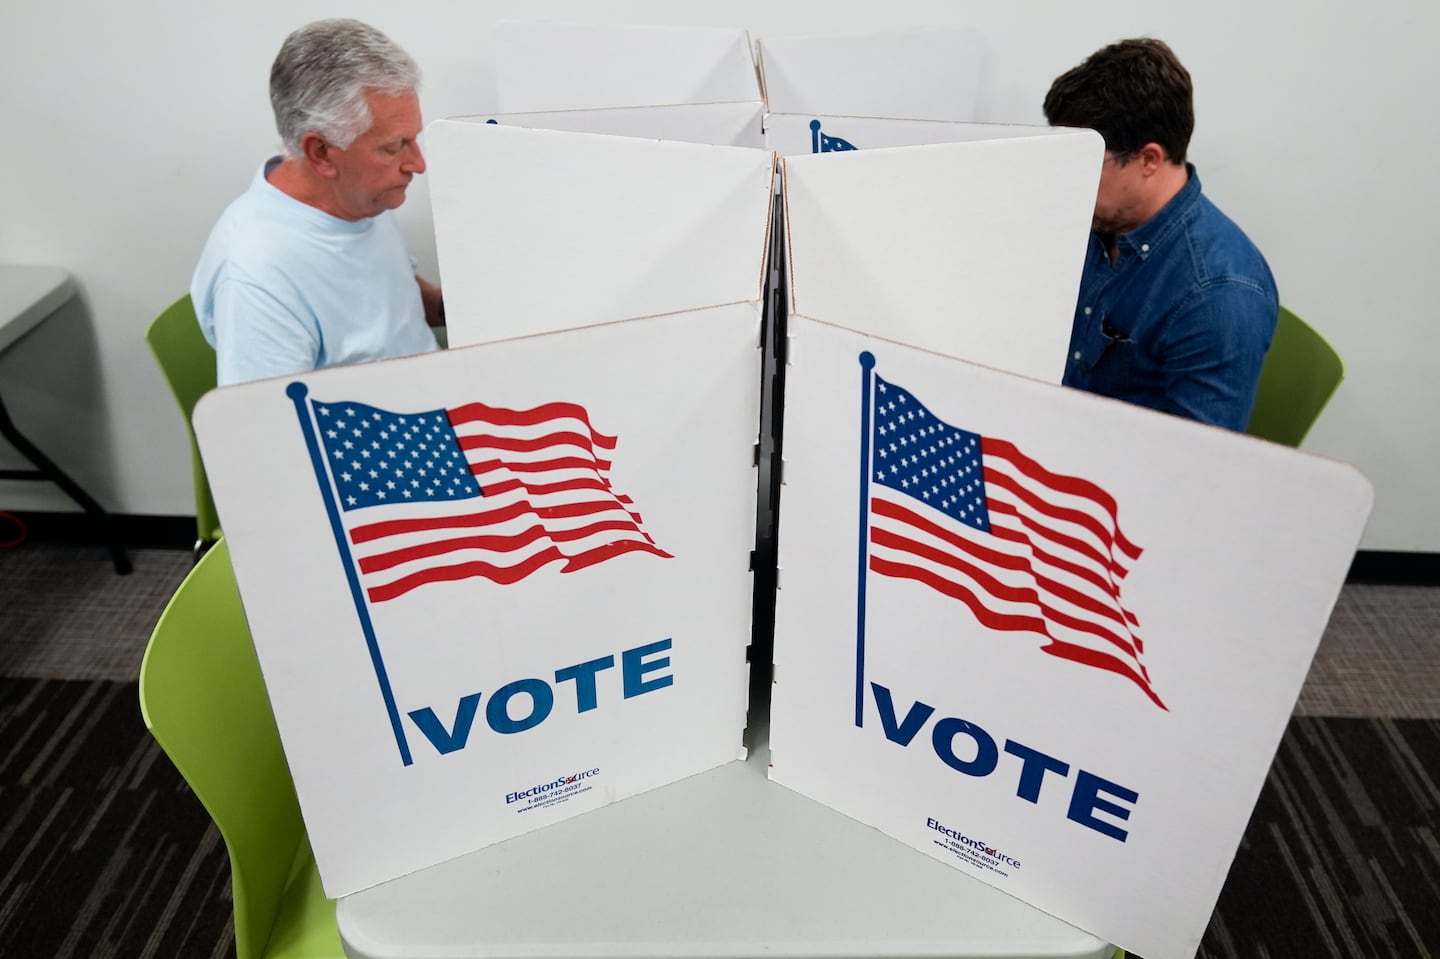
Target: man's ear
1152	157
317	154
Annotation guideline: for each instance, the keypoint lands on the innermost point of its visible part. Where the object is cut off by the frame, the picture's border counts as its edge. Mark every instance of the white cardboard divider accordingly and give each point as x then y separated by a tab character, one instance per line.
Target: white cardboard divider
539	230
790	134
566	629
918	75
1057	644
573	66
722	124
972	249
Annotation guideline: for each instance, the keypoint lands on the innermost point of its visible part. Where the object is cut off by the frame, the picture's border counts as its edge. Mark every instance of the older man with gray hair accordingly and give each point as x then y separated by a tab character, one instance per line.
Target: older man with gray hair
307	268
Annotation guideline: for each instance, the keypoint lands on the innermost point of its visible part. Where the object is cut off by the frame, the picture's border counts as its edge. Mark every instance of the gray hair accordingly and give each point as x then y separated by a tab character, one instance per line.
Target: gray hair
322	73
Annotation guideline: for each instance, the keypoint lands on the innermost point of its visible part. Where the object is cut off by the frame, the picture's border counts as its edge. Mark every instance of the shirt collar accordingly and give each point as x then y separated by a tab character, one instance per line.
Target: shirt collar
296	208
1146	238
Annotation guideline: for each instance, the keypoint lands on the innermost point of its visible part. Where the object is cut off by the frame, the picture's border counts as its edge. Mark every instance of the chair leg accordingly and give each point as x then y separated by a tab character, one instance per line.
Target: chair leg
47	470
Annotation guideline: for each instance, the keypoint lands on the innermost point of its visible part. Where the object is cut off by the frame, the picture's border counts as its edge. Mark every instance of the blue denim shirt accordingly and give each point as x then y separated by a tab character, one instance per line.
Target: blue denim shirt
1181	322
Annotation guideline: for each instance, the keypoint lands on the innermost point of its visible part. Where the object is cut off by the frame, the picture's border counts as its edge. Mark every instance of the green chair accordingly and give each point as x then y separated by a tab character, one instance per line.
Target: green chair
188	364
204	702
1300	374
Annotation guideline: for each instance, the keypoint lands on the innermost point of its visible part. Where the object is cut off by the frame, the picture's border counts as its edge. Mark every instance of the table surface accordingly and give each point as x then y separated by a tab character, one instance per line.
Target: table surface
28	294
723	864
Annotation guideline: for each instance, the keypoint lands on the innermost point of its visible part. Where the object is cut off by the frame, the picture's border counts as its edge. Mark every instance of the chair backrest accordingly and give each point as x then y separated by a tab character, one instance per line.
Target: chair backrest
1300	374
188	364
204	702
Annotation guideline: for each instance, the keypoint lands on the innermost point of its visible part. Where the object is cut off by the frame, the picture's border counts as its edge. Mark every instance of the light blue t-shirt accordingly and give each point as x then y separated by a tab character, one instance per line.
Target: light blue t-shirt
283	288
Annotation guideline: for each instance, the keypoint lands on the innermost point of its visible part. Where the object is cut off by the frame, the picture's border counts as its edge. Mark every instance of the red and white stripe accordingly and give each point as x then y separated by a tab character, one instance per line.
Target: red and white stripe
1052	562
545	476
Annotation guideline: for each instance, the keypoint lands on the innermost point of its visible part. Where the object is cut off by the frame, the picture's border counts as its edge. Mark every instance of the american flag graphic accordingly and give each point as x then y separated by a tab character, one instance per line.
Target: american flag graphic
824	142
473	491
1024	548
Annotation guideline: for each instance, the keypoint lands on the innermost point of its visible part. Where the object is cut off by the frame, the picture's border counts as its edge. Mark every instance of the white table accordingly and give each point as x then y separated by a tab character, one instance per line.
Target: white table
28	295
724	864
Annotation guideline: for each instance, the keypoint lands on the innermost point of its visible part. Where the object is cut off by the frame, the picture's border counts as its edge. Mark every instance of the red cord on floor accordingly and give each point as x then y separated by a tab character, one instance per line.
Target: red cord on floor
20	531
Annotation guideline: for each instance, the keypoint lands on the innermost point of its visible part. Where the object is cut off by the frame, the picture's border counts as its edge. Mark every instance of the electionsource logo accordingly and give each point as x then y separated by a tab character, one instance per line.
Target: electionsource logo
983	848
544	788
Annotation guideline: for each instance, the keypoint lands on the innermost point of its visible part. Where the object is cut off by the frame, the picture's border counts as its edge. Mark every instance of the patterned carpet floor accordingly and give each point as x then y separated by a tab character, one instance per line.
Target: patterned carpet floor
105	853
1341	855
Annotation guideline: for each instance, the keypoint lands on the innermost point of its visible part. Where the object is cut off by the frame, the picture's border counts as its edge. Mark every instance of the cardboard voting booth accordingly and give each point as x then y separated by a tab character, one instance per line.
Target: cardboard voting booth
970	247
1045	637
931	74
901	242
494	588
905	236
794	134
575	66
911	74
539	230
721	124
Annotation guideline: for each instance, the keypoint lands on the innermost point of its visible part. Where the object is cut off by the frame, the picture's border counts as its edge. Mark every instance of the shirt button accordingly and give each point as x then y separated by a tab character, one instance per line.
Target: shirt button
1144	247
1077	354
1087	311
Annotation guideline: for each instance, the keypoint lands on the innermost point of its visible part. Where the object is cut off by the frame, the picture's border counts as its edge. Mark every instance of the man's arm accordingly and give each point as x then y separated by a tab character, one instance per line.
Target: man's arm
1213	347
434	302
257	337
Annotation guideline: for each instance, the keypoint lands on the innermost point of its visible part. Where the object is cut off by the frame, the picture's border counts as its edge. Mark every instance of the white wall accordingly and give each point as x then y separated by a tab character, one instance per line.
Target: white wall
127	127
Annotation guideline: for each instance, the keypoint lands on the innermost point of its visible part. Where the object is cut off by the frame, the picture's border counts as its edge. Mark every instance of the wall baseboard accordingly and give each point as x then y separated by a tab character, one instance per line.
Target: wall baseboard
1384	566
178	532
136	531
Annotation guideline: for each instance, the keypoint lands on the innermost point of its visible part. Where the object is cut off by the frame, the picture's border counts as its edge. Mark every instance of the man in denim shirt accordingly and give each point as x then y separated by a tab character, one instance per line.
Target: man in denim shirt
1177	306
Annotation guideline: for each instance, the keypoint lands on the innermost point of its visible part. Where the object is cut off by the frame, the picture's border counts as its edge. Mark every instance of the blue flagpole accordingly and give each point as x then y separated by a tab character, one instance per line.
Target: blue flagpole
297	392
867	364
814	136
